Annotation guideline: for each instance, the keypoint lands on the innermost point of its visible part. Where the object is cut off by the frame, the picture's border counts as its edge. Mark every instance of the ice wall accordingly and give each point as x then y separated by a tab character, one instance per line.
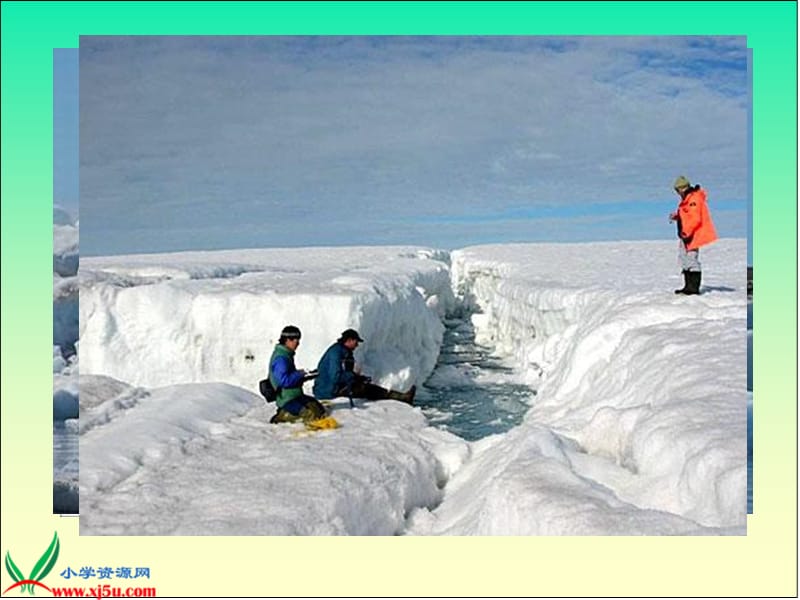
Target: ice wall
650	382
154	320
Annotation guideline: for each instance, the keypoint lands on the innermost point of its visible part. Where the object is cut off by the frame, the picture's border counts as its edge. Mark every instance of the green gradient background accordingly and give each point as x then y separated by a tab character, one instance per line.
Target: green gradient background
764	563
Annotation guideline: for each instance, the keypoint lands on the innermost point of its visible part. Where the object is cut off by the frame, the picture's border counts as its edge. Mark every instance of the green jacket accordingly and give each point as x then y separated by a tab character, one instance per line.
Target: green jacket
284	376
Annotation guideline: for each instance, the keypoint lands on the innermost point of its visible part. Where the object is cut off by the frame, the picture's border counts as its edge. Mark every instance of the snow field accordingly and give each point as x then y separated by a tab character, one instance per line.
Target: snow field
646	388
178	461
638	426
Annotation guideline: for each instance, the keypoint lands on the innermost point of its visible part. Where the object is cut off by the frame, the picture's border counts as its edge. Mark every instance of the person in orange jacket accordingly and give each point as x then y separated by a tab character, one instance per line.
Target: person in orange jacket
695	229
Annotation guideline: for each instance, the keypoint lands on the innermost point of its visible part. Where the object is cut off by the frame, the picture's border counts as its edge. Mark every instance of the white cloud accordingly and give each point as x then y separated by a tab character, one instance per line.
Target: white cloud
231	132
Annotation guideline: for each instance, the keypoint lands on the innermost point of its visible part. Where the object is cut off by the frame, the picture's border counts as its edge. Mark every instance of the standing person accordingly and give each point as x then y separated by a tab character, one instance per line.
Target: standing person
695	229
337	376
288	380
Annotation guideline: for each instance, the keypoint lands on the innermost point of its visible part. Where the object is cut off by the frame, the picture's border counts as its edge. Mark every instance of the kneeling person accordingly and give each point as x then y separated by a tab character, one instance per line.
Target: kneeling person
337	376
287	380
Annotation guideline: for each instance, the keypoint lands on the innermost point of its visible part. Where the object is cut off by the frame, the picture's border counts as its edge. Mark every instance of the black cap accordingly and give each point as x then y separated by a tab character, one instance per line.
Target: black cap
290	332
350	334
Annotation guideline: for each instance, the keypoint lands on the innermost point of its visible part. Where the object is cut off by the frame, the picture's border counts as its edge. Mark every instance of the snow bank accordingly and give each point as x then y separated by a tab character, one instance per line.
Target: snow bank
203	460
155	320
640	415
530	482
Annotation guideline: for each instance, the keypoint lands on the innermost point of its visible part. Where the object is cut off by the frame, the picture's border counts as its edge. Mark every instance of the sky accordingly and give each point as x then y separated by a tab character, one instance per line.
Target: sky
242	142
65	129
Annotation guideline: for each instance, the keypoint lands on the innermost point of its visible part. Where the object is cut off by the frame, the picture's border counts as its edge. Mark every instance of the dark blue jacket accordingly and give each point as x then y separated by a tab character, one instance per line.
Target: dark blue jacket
335	373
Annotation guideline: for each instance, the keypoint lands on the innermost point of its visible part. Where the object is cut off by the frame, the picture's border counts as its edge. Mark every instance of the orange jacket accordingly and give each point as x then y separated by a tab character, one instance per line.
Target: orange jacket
695	219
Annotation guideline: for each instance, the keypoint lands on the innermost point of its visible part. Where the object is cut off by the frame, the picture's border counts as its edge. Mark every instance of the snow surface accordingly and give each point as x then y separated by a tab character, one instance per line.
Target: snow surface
641	394
638	424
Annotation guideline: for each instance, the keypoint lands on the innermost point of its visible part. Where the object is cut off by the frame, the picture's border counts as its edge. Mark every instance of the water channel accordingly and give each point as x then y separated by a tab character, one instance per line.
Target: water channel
472	393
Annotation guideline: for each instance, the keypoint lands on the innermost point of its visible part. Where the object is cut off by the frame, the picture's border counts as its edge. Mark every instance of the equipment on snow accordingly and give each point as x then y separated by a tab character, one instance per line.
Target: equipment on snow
266	389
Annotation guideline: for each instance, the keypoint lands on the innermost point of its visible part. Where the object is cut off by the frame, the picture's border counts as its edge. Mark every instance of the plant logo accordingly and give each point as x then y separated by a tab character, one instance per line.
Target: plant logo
44	565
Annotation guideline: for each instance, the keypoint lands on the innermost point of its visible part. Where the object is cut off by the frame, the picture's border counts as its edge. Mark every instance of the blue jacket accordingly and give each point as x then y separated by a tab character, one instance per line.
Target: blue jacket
284	376
335	373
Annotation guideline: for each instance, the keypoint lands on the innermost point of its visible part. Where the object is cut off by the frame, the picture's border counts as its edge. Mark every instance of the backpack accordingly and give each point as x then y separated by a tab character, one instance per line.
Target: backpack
266	389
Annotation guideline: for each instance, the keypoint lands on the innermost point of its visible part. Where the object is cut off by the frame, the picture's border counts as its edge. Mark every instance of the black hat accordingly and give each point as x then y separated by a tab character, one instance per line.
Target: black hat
290	332
350	334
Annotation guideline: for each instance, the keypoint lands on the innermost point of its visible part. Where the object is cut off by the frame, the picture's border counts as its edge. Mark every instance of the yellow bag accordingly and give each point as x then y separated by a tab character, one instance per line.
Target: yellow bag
323	423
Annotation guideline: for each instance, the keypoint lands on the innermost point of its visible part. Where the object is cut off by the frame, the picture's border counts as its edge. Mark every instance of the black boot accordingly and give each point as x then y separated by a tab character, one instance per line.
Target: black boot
693	286
410	395
284	416
407	397
684	289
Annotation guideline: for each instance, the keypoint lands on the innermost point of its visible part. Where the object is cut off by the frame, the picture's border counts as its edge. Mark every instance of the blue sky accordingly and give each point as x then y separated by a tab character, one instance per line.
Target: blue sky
65	128
206	143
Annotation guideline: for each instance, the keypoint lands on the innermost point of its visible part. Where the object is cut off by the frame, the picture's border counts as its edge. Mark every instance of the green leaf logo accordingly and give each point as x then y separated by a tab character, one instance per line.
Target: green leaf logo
12	569
43	566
